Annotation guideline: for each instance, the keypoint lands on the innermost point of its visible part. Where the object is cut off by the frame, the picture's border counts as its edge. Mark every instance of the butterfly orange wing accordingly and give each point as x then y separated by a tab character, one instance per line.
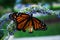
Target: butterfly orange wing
21	21
38	24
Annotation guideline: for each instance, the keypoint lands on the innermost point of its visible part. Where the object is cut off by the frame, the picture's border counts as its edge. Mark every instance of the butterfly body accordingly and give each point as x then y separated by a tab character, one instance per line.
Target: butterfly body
25	21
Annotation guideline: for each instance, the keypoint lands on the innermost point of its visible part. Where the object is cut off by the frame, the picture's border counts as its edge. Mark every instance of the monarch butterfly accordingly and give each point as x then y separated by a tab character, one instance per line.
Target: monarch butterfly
26	21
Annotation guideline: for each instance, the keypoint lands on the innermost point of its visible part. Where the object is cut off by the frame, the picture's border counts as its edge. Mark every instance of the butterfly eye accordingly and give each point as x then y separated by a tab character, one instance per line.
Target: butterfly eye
14	16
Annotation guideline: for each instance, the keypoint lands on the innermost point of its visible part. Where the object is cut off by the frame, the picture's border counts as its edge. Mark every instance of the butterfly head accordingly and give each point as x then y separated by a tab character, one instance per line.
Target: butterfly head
13	16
